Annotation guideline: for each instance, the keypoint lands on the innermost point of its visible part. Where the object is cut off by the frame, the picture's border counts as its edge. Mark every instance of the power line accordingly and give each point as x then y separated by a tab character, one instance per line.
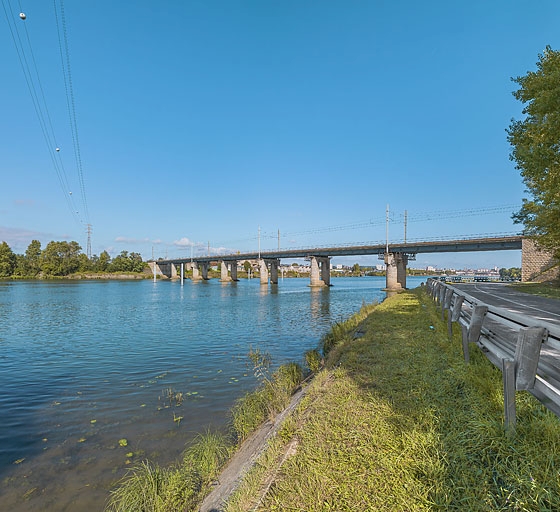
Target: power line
70	102
37	94
39	103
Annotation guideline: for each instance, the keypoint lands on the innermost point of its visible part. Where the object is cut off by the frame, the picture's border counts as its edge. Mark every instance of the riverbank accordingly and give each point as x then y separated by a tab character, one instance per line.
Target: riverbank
397	421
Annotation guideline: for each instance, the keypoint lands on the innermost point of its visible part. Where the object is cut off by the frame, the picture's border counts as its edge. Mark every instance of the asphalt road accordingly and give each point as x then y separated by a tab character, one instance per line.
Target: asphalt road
503	296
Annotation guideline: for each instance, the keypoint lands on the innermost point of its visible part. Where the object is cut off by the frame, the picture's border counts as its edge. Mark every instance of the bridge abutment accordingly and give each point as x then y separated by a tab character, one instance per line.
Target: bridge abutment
537	265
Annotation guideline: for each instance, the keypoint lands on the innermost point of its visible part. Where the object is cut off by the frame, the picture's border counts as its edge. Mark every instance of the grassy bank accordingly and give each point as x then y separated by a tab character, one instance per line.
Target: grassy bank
550	290
397	421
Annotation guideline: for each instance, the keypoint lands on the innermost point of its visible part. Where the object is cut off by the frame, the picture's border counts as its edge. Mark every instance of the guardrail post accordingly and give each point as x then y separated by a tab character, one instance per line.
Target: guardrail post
435	287
508	374
475	327
455	313
527	353
472	332
442	291
446	304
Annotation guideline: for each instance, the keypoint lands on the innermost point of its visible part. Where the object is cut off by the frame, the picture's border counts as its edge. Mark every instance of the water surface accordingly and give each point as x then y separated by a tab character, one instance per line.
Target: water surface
85	364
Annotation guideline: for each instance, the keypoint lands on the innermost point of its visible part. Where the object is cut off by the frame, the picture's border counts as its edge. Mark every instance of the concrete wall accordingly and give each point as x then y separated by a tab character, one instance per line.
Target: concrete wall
537	265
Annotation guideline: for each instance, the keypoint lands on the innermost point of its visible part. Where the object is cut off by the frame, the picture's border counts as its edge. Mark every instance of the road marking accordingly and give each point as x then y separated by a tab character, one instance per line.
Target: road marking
518	303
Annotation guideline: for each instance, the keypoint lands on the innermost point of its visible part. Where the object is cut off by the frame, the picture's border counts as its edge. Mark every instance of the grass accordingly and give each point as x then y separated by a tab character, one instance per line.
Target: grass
397	421
550	290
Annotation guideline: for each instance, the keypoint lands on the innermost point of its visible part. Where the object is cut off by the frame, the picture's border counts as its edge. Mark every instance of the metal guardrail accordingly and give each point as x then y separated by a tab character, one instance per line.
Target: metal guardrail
527	350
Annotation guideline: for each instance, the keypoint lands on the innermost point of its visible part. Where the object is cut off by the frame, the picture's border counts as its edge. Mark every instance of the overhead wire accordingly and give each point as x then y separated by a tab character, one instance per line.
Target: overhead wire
397	218
39	103
70	101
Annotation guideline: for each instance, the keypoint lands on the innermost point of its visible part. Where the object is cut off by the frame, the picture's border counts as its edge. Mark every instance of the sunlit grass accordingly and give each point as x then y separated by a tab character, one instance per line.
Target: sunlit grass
399	422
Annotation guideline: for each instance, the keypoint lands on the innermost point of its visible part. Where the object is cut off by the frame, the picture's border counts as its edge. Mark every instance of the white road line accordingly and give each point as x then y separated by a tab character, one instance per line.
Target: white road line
518	303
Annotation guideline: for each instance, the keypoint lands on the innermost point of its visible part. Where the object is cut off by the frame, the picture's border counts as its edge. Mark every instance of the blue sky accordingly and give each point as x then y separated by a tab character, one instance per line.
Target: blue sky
199	121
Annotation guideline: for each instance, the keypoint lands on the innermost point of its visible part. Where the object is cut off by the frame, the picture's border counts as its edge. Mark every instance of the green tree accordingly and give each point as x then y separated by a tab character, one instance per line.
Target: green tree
356	269
60	258
33	258
103	261
85	265
536	150
126	262
8	260
136	263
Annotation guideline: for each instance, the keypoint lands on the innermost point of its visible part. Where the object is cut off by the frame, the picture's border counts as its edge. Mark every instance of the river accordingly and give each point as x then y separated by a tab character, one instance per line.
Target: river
96	376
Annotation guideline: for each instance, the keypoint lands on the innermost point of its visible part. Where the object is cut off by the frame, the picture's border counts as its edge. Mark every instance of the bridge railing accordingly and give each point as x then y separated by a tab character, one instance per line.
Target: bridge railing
525	349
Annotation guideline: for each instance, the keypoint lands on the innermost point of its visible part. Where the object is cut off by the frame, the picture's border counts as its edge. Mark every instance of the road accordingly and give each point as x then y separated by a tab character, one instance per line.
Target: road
503	296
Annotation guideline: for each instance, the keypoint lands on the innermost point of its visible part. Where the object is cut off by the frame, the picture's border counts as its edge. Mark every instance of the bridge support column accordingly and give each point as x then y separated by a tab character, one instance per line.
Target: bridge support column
233	270
195	271
402	262
315	275
263	271
274	271
173	271
224	276
320	271
204	270
391	275
182	274
325	270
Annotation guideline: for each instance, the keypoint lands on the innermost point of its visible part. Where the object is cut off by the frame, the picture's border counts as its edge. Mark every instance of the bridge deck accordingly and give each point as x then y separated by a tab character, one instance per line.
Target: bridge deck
507	243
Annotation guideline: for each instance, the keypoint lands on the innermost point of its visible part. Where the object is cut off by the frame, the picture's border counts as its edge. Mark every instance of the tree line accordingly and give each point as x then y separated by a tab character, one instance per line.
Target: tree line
60	259
535	142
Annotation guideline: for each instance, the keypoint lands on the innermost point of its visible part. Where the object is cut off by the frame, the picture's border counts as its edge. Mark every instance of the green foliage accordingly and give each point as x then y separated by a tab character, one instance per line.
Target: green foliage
510	273
313	360
261	363
8	260
32	259
271	397
126	262
150	488
536	150
208	453
60	258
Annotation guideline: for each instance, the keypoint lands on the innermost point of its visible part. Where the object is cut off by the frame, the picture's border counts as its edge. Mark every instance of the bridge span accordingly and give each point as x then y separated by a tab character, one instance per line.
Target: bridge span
396	258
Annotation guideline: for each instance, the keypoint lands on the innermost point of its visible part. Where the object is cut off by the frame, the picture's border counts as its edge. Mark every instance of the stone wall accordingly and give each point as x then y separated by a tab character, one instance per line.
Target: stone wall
537	265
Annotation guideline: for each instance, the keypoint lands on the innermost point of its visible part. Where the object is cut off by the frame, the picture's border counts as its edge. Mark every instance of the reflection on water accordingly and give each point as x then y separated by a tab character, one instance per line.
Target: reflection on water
320	300
85	364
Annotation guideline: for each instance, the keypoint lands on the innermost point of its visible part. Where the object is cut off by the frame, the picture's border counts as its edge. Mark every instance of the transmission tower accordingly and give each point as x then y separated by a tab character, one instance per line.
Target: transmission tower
88	251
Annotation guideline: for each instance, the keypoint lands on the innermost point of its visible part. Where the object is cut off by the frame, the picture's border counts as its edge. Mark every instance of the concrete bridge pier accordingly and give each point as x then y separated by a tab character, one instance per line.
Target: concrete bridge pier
402	262
274	264
228	271
195	271
233	270
320	271
263	271
182	273
224	275
391	275
325	270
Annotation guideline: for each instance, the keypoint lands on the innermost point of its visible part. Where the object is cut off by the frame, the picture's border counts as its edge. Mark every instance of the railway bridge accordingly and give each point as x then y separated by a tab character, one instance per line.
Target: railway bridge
396	258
